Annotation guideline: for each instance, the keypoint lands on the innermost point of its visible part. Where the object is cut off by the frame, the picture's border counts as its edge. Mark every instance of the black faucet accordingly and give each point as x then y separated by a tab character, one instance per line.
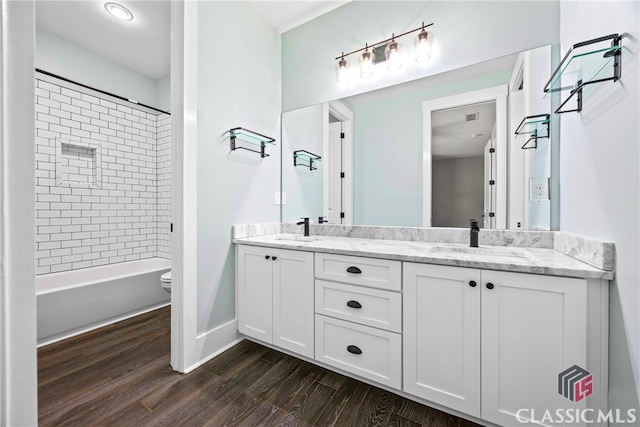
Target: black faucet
321	220
473	237
306	226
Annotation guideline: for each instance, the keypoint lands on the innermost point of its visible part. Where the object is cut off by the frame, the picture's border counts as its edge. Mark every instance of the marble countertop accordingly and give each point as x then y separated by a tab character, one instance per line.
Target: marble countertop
507	258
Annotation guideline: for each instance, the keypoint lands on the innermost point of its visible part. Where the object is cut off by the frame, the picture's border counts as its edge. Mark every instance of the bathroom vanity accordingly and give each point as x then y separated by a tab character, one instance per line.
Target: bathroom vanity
480	332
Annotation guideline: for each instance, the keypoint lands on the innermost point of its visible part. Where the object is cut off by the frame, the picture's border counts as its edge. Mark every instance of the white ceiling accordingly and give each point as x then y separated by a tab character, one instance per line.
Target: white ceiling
143	43
285	15
454	137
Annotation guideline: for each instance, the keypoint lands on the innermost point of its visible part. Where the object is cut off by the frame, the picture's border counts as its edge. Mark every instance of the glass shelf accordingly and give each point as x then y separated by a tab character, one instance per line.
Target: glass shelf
537	126
305	158
249	137
586	63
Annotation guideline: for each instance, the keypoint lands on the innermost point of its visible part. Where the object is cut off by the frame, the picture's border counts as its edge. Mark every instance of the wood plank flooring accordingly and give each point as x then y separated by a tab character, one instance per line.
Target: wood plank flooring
119	375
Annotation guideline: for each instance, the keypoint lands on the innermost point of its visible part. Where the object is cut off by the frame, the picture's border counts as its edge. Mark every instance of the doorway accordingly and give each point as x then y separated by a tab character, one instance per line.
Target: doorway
497	195
462	160
338	152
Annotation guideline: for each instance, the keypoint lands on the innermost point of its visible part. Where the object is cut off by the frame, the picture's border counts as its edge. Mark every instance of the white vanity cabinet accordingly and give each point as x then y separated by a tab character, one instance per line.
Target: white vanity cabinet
275	297
441	351
501	336
358	316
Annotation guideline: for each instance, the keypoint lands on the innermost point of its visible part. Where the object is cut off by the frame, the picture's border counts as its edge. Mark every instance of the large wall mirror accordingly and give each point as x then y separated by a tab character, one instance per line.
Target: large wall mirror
436	151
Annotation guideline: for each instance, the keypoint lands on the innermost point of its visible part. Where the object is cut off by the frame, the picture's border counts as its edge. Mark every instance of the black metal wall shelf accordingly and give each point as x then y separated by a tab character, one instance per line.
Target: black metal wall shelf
305	158
249	137
586	63
537	126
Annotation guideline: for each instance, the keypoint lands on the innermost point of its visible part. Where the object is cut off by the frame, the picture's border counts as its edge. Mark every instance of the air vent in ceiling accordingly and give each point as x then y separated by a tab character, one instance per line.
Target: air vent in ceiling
471	117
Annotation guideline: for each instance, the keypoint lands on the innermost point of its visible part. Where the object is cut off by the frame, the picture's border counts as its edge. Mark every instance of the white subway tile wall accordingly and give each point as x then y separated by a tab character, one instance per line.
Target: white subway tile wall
82	221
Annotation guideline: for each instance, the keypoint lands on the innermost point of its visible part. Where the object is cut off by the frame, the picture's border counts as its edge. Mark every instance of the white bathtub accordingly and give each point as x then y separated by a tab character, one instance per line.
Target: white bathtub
73	302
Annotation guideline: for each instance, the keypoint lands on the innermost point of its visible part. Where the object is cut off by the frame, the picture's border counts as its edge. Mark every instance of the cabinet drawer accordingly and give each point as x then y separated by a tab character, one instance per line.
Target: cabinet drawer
368	352
372	307
377	273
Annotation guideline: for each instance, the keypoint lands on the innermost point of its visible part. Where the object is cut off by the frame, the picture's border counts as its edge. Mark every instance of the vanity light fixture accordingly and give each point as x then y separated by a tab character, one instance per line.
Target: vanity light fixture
392	54
367	60
342	71
423	44
118	11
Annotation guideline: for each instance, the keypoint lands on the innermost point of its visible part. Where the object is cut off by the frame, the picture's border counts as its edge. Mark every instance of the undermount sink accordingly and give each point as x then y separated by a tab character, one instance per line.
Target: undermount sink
296	238
488	253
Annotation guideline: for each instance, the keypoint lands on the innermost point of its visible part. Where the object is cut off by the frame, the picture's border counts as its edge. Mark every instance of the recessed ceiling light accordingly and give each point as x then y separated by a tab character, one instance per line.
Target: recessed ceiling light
118	11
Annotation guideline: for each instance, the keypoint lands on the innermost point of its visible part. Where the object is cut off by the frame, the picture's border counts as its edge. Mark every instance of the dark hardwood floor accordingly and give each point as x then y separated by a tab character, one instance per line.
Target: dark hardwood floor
119	375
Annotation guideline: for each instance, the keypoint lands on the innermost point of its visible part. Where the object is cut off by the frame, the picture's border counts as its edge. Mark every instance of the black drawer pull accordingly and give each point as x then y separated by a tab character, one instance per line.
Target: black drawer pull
354	270
274	258
354	349
354	304
472	283
267	257
490	285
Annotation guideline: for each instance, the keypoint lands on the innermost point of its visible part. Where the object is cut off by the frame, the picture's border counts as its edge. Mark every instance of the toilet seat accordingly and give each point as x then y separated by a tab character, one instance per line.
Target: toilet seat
166	277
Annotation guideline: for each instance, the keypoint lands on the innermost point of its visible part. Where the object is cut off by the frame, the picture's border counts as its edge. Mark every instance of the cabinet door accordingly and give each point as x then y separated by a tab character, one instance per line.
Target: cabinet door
254	285
293	301
442	335
533	328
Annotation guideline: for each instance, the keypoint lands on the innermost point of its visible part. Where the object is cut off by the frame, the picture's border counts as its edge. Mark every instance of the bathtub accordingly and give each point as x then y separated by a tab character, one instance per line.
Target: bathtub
73	302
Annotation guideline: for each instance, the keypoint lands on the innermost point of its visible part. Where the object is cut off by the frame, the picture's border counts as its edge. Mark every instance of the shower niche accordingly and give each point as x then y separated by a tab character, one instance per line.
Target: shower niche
78	164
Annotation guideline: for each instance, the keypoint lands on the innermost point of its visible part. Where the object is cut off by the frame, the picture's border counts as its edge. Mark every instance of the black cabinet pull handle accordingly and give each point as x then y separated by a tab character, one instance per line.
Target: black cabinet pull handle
490	285
354	349
354	270
267	257
354	304
472	283
274	258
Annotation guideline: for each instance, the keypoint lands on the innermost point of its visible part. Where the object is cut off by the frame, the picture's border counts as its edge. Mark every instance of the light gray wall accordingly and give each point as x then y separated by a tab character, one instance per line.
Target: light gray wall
163	92
600	177
66	59
237	86
388	151
465	32
18	362
303	129
458	191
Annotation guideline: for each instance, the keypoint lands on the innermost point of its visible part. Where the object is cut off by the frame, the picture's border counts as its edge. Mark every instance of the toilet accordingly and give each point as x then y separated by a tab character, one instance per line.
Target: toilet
165	281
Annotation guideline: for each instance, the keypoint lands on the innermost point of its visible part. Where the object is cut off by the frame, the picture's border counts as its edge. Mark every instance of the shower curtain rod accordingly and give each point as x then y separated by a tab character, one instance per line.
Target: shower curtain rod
47	73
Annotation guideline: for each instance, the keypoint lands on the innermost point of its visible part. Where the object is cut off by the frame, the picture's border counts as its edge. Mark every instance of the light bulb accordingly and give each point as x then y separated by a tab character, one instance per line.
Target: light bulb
367	61
343	72
423	44
393	52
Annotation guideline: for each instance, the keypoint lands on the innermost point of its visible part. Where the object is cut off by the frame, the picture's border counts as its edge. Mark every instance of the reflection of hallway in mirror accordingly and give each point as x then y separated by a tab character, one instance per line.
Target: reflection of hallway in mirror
463	166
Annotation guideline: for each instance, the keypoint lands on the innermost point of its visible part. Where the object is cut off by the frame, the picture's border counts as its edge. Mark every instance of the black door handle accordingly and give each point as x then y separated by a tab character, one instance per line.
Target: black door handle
490	285
354	270
274	258
354	304
354	349
267	257
472	283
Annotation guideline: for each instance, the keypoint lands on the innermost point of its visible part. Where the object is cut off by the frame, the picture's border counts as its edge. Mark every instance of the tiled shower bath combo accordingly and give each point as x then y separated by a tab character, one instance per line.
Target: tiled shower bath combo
102	198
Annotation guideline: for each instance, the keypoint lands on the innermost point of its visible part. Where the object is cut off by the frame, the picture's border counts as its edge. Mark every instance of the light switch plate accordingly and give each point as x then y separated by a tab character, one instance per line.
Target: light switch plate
277	198
283	198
